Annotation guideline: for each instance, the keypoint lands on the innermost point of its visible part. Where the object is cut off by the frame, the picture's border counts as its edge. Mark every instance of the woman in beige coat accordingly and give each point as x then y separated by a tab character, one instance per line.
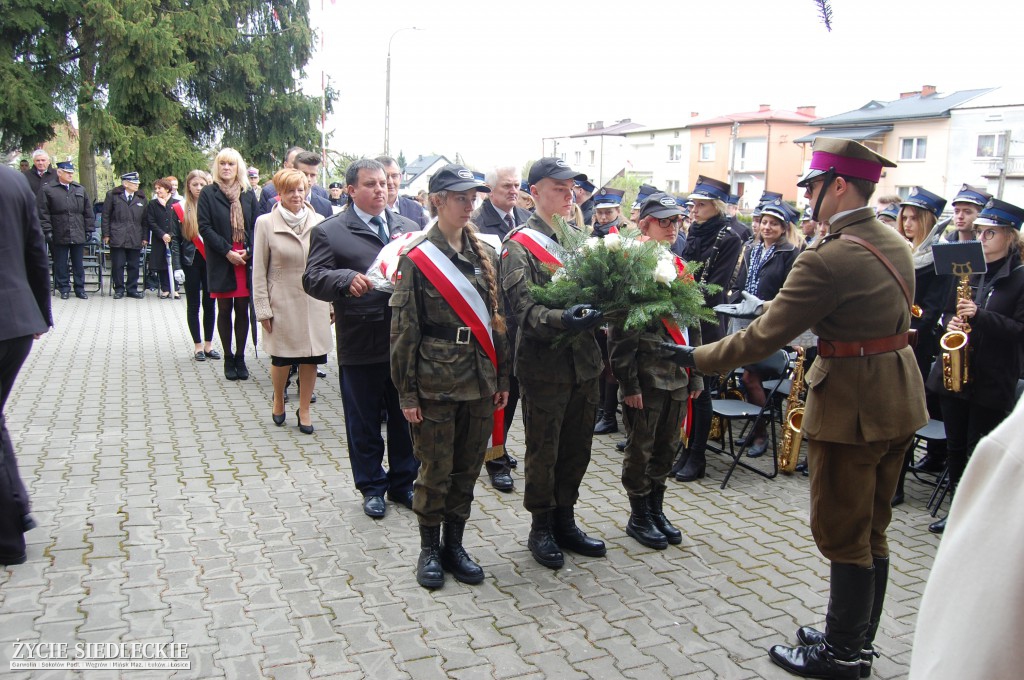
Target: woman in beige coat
296	327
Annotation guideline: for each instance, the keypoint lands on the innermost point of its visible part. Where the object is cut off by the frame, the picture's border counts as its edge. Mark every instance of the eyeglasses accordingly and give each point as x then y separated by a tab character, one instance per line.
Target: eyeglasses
985	234
666	222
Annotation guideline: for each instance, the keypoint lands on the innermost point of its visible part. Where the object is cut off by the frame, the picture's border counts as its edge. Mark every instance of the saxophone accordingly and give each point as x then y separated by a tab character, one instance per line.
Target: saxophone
789	451
954	344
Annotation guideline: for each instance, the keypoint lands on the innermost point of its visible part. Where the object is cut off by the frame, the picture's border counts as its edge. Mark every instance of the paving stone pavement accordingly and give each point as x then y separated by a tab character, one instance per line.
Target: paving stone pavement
171	509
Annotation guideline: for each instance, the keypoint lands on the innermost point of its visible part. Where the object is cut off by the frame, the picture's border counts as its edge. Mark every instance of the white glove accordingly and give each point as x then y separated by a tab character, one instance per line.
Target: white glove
179	276
748	309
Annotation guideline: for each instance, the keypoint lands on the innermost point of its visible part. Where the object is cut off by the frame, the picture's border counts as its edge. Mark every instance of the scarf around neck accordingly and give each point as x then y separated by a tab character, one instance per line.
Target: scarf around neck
295	221
232	192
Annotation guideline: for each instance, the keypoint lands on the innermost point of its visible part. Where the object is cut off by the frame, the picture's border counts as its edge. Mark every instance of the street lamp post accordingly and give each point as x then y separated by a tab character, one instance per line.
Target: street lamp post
387	93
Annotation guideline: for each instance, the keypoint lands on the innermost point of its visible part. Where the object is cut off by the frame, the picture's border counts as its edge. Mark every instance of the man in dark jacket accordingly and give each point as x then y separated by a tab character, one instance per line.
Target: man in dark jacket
40	173
65	213
25	290
268	194
401	205
123	210
499	215
341	250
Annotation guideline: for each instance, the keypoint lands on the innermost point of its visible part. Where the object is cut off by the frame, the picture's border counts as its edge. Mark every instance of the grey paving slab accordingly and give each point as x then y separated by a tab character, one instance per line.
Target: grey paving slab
171	508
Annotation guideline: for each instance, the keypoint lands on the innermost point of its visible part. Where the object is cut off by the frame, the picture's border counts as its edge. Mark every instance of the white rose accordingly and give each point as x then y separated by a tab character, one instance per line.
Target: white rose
665	272
613	242
559	274
591	243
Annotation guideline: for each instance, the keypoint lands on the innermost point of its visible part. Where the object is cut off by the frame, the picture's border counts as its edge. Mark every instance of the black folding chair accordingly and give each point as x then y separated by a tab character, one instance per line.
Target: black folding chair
775	368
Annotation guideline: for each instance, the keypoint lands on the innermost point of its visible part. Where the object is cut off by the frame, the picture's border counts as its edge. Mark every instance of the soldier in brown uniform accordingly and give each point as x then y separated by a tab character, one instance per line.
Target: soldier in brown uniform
449	362
559	386
655	391
865	399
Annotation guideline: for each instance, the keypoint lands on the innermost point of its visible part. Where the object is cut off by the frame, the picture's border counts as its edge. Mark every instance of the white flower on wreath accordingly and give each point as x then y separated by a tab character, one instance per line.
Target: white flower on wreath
559	274
665	272
591	243
613	242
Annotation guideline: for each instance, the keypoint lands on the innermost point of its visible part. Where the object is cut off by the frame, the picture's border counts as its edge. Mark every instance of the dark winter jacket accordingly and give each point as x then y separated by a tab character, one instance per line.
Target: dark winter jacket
65	214
36	181
213	212
122	220
773	271
716	265
159	220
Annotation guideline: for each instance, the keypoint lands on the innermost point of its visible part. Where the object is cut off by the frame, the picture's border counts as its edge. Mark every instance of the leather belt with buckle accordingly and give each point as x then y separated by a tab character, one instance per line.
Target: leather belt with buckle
460	336
839	349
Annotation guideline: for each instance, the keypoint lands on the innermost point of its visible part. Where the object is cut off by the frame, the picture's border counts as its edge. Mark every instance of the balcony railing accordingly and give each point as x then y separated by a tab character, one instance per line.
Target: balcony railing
1014	167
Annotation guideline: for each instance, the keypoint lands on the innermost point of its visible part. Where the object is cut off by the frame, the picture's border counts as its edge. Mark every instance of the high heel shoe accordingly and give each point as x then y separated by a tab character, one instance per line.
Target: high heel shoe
304	429
278	418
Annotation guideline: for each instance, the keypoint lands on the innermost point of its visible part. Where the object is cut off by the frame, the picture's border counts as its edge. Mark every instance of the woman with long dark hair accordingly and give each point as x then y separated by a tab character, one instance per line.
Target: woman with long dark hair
226	213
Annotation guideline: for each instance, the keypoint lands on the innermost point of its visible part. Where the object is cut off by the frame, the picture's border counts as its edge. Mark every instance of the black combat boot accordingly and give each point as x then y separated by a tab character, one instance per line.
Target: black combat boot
542	543
606	423
454	558
568	536
230	372
846	625
656	501
641	527
429	572
812	636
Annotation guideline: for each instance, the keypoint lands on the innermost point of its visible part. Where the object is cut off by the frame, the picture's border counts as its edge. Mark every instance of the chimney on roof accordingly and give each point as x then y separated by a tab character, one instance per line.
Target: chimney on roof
597	125
907	95
625	120
694	114
806	110
927	90
764	107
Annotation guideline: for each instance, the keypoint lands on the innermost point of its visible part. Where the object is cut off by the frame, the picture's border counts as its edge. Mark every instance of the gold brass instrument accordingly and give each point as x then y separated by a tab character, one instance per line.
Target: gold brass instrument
789	450
955	348
717	431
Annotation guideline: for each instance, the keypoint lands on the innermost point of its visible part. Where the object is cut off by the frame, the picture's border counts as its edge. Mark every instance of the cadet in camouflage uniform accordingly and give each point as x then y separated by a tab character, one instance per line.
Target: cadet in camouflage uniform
655	391
448	386
559	386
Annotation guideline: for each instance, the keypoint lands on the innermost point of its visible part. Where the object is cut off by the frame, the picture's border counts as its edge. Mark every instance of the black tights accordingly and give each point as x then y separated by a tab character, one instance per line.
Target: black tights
240	307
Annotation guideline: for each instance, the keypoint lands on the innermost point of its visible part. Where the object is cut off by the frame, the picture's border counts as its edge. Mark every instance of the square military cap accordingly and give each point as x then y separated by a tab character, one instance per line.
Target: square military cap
335	185
660	206
130	177
782	210
554	168
975	195
586	185
844	157
919	197
997	213
67	166
708	189
455	178
642	193
606	197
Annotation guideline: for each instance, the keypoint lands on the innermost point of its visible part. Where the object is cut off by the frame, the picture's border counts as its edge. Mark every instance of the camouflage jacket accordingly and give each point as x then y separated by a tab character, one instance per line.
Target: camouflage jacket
639	363
428	367
539	325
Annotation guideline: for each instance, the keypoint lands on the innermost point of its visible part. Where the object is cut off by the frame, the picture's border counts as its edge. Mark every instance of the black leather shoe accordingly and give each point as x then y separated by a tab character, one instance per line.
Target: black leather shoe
897	499
199	356
212	354
621	446
429	572
320	374
278	418
757	449
542	543
502	481
81	295
607	425
696	466
931	464
815	661
64	296
118	294
374	506
812	636
304	429
403	498
513	462
454	558
9	560
938	527
230	372
134	294
568	536
241	369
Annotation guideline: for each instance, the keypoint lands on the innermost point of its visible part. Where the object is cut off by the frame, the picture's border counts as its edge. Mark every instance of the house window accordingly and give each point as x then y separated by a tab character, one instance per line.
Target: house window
991	146
913	148
707	151
903	192
675	133
675	152
577	162
592	156
672	186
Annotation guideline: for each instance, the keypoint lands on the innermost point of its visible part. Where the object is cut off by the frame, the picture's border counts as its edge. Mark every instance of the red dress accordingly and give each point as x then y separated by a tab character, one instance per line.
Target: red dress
241	279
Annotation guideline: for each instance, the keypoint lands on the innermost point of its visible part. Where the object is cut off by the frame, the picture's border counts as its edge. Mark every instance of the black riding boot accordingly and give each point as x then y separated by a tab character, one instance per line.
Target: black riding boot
812	636
908	458
694	469
568	536
846	626
656	501
641	527
542	543
454	557
429	572
607	424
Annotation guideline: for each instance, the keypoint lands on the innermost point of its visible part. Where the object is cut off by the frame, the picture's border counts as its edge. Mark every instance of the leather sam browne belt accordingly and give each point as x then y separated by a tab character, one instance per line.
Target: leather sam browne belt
839	349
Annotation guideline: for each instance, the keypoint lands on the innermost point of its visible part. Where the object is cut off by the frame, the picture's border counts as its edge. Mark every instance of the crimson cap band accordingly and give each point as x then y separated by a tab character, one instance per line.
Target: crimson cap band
846	158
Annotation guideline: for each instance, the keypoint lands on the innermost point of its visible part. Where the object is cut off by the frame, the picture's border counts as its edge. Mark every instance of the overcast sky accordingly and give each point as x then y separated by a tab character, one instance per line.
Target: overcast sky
489	79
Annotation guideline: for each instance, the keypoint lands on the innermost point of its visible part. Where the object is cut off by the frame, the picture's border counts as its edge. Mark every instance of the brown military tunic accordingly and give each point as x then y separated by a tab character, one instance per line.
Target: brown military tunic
452	383
861	412
559	386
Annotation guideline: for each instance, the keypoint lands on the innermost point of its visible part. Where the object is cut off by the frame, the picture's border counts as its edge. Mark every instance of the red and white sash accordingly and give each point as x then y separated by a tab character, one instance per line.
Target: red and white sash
459	292
681	337
540	246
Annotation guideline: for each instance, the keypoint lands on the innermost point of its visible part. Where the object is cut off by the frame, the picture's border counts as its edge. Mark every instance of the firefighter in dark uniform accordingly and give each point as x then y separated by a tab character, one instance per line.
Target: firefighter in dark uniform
607	215
584	193
559	385
865	397
608	211
655	391
66	215
448	385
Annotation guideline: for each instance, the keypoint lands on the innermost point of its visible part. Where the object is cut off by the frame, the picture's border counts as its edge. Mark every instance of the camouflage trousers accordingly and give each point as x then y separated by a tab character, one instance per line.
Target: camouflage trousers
652	441
559	424
450	444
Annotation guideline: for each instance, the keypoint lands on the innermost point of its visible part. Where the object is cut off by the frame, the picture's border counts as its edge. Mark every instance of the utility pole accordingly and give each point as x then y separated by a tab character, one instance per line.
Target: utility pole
1004	165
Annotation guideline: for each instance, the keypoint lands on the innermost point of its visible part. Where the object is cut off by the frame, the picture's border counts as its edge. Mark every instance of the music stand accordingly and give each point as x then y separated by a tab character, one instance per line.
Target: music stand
960	259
